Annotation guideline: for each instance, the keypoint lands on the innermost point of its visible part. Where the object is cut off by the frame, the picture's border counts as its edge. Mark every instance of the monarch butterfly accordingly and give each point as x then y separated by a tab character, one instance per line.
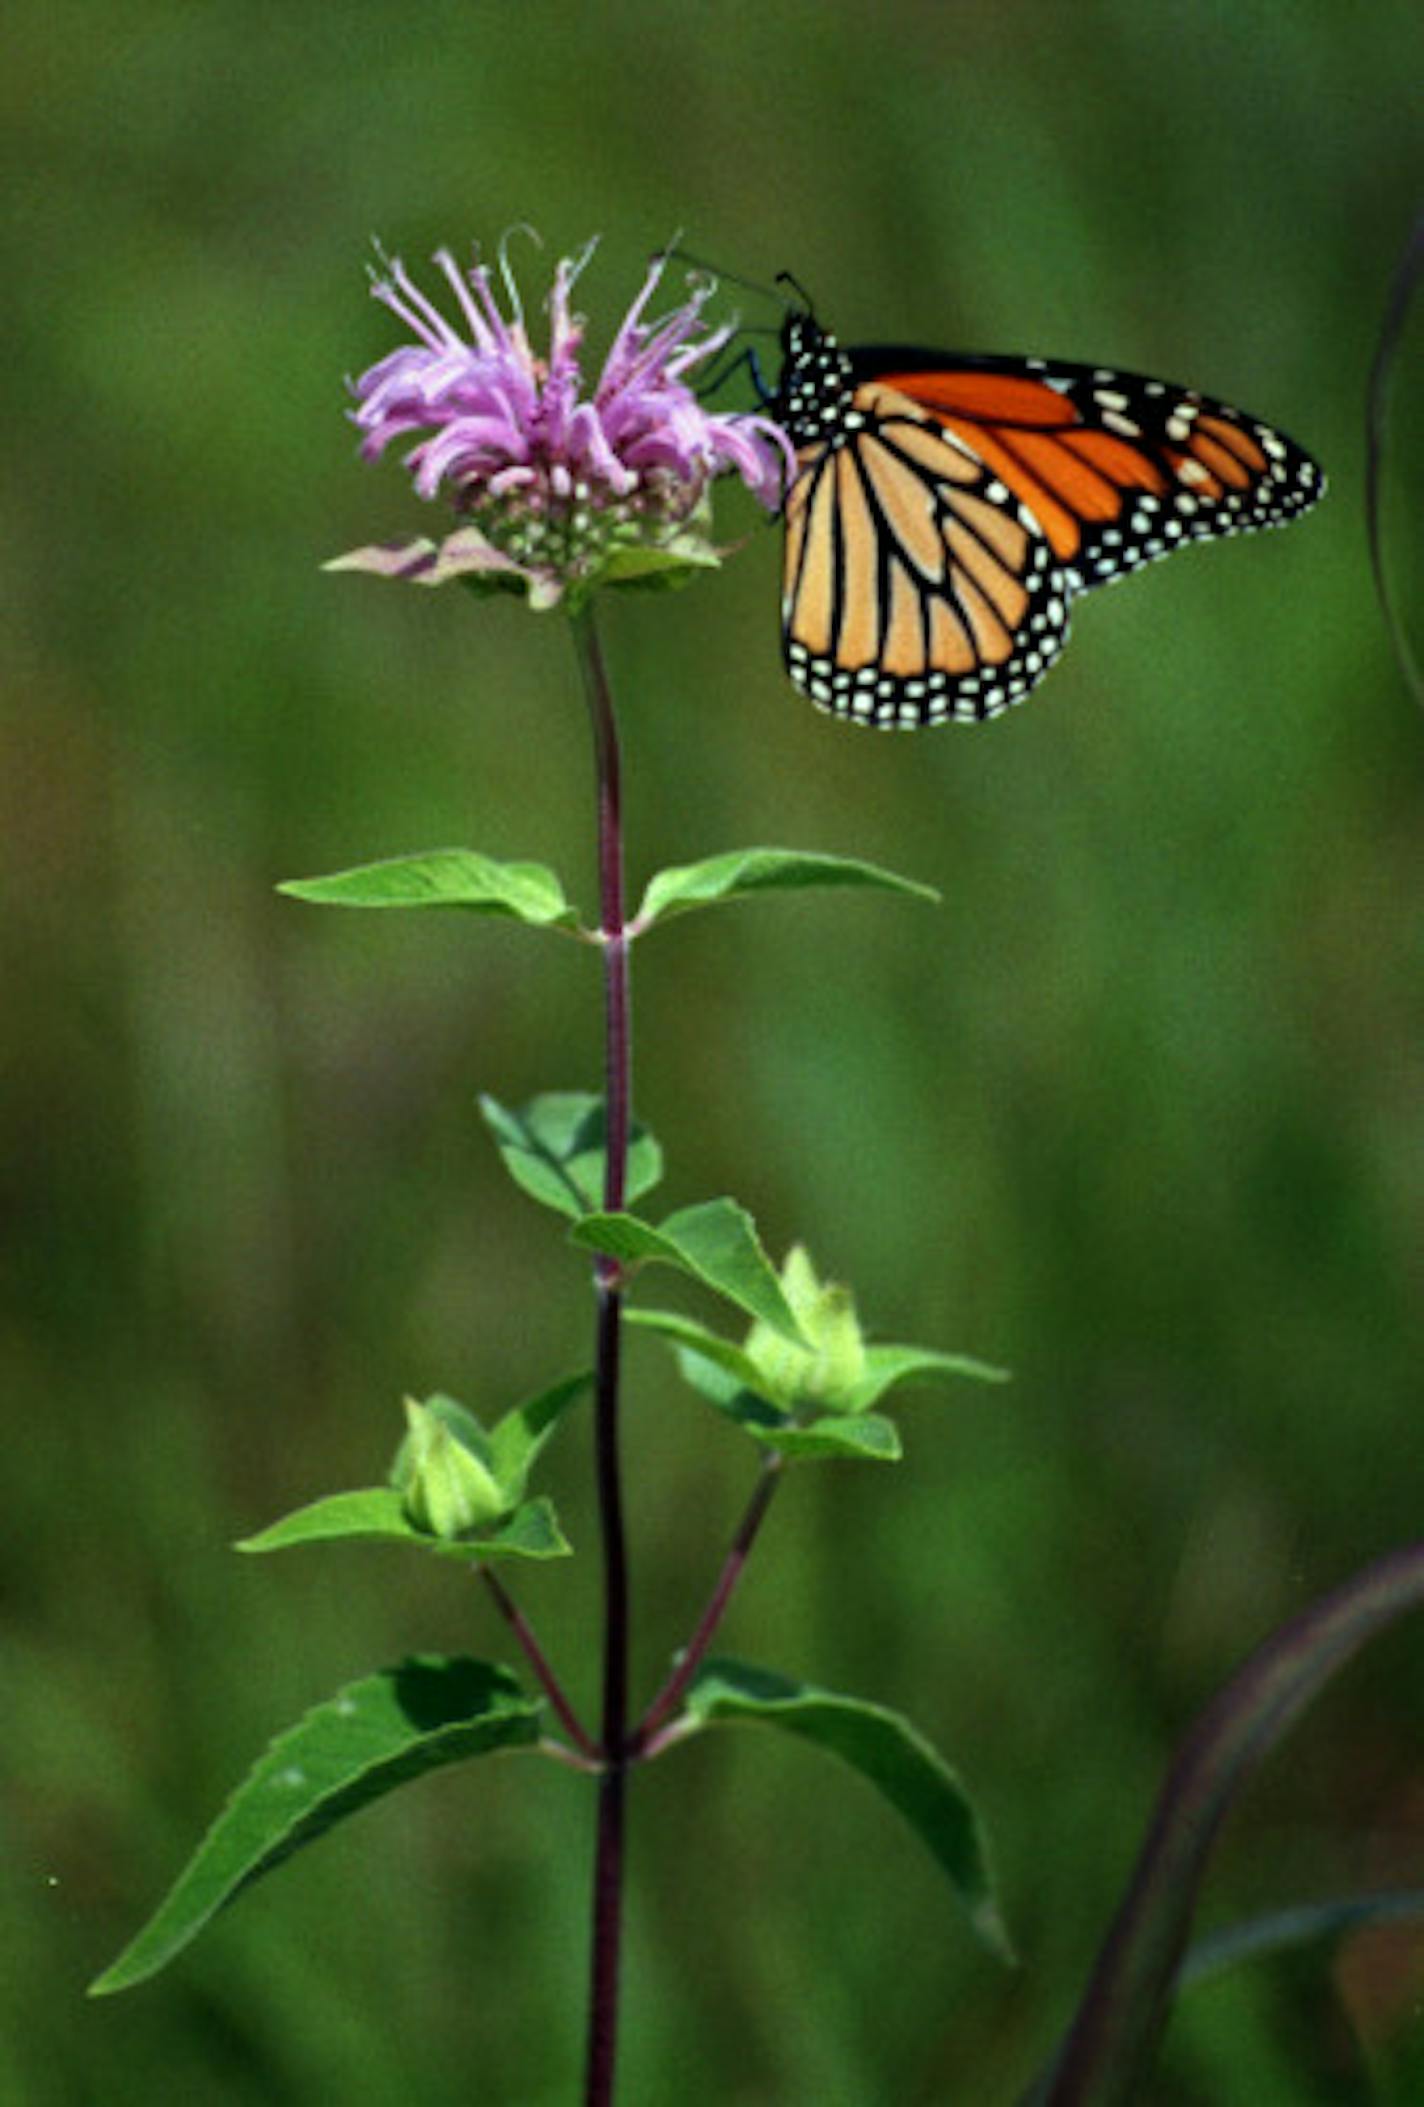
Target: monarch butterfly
949	509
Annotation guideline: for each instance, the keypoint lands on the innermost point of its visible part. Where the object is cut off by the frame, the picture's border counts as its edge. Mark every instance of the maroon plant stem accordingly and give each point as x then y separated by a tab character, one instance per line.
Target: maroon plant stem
644	1741
617	1047
554	1690
608	1861
608	1858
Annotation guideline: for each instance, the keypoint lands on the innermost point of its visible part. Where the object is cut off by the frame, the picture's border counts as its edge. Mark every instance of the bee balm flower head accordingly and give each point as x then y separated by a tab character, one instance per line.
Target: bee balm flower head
556	486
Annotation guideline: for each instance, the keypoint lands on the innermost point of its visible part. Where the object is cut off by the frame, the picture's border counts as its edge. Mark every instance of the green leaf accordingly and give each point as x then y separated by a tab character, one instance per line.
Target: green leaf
1111	2046
730	1379
866	1436
373	1736
532	1531
749	1408
715	1243
553	1148
697	1344
668	564
530	892
716	1369
377	1513
742	871
516	1440
885	1366
887	1751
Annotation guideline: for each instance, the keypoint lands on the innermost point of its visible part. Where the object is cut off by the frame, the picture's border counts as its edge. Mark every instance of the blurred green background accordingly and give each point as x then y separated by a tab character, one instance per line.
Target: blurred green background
1140	1111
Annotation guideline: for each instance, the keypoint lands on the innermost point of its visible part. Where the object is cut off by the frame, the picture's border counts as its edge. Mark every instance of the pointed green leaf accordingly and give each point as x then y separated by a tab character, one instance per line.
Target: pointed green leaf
517	1439
715	1243
625	1237
372	1736
530	892
730	1379
887	1751
532	1531
885	1366
742	871
374	1511
715	1369
1112	2044
699	1344
747	1407
378	1514
553	1148
866	1436
668	564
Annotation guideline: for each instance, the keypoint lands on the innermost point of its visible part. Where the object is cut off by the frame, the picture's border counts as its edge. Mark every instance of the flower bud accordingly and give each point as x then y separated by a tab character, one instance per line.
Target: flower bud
447	1490
825	1374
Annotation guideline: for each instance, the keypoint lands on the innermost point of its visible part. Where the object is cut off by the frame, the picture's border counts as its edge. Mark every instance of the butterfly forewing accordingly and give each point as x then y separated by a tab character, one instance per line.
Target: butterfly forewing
948	511
1119	467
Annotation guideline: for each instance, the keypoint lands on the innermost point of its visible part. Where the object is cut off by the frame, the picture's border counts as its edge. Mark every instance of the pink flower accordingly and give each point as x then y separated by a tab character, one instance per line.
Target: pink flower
556	489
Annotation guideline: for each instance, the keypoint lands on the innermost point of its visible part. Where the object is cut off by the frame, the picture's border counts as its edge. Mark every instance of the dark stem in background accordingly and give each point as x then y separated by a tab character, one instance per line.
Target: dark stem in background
608	1863
1107	2057
645	1741
1407	276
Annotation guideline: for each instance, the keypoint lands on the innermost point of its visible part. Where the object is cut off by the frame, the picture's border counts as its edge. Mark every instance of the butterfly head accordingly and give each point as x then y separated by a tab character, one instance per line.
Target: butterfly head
815	383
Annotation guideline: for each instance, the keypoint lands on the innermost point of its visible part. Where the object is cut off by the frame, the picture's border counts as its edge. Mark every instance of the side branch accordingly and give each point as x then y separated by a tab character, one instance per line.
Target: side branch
553	1689
645	1740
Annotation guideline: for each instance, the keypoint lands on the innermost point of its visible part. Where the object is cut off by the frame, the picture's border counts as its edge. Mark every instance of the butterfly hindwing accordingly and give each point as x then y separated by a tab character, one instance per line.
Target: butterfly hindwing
917	586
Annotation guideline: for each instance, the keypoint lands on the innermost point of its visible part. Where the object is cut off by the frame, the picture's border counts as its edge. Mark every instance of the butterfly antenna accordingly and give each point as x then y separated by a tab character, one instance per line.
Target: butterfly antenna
785	278
675	250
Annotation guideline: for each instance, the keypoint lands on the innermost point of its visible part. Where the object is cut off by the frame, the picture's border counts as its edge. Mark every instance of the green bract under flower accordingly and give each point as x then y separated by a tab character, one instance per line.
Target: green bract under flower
444	1486
556	491
826	1376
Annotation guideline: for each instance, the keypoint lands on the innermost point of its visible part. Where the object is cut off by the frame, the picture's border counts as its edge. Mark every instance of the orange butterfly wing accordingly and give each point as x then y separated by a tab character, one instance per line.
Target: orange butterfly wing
917	586
1082	445
946	516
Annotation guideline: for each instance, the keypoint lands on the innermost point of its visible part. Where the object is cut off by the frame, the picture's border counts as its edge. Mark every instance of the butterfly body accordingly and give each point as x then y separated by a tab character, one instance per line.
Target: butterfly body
950	508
